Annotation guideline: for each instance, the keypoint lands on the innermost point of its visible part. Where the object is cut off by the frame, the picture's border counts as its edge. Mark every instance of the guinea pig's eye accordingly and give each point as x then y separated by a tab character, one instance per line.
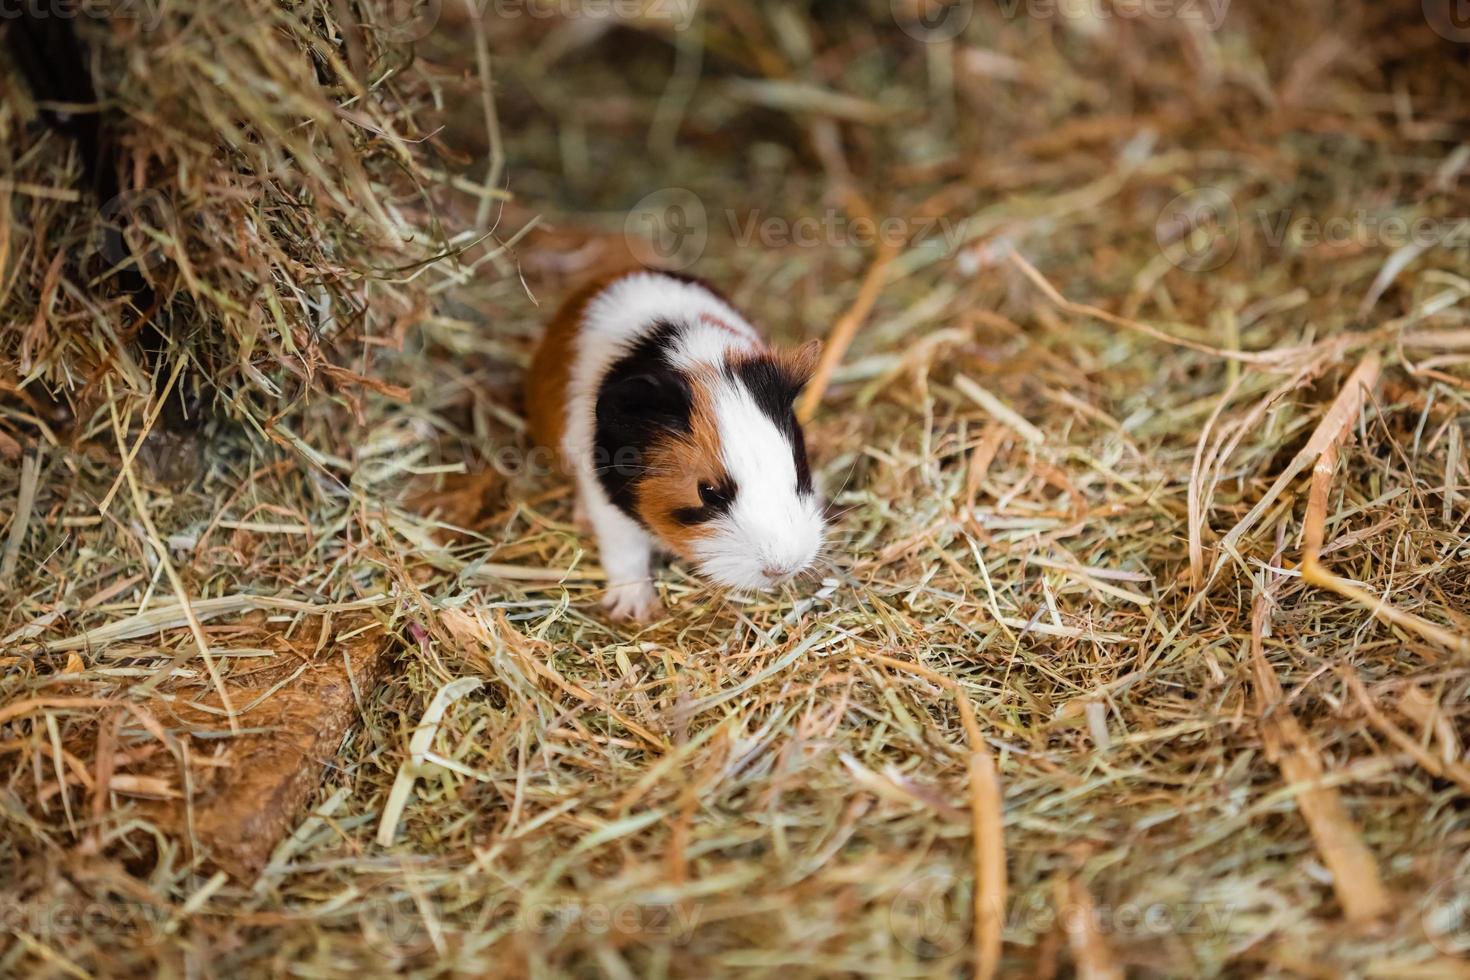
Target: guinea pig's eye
711	495
714	499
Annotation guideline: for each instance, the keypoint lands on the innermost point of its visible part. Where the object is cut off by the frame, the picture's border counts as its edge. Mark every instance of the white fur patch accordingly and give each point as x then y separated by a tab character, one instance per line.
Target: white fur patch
629	309
772	531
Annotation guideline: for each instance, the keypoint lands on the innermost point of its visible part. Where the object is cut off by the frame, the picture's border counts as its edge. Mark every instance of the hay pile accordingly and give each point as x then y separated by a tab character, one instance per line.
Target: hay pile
246	212
1149	568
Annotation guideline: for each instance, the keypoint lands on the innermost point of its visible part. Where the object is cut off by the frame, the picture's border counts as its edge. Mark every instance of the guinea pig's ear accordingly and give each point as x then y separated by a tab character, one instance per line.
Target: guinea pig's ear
659	398
798	364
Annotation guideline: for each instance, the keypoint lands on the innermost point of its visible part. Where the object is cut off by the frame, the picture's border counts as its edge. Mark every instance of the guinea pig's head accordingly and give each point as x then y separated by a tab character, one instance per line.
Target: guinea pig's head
724	480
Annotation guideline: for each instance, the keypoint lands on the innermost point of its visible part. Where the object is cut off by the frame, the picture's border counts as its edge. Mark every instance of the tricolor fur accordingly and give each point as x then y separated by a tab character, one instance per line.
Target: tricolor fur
676	420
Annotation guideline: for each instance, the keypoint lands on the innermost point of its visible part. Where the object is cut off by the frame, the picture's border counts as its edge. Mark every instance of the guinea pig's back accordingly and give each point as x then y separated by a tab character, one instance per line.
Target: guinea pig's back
599	321
548	380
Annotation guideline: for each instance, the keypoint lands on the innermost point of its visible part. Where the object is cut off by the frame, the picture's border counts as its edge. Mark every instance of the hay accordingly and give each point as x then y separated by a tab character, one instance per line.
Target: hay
257	218
1150	565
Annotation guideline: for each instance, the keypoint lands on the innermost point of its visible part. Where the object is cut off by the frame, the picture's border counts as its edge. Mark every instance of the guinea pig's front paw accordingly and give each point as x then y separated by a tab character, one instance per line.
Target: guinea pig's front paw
636	601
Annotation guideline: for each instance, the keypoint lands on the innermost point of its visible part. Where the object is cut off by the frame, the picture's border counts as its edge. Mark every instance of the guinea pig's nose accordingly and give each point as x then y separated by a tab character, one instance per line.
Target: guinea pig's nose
776	573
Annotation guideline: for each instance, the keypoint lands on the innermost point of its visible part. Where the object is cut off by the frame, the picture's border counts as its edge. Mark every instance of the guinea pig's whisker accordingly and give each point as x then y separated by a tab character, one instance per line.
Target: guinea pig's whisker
627	469
846	480
834	545
836	516
721	600
830	566
819	565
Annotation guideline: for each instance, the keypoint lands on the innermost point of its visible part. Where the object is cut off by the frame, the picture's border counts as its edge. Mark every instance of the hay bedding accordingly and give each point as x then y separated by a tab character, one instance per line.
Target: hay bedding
1142	645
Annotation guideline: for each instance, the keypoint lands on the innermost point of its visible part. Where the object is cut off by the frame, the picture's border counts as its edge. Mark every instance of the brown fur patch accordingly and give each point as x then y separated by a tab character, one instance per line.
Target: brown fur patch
800	363
796	363
676	468
551	366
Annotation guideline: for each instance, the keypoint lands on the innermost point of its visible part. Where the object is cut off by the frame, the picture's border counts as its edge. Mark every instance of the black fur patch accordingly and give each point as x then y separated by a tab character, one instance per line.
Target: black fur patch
774	392
642	397
725	492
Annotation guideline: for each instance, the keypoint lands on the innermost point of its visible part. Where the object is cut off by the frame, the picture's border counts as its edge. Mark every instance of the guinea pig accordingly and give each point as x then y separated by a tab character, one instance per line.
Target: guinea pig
675	419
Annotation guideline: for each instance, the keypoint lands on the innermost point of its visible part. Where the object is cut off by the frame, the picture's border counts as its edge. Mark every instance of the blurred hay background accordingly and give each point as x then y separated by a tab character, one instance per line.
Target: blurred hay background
1149	569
